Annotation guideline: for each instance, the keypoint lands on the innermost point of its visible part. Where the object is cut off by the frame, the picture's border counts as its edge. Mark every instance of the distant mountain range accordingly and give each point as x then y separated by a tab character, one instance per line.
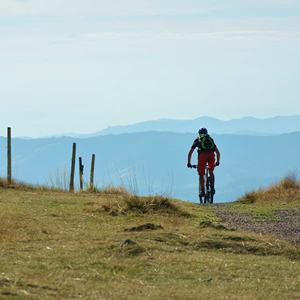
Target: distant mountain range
244	126
155	162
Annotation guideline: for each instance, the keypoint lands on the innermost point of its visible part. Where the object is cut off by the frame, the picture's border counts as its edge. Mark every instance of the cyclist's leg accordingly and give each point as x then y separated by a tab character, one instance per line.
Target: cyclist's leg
212	177
199	190
201	178
211	160
211	164
201	170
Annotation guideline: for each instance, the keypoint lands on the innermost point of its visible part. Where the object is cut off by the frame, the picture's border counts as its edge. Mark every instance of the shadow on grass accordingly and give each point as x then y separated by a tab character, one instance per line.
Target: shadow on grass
247	246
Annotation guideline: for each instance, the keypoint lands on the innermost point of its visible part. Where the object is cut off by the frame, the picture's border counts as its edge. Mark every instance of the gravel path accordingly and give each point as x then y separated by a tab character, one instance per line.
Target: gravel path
285	224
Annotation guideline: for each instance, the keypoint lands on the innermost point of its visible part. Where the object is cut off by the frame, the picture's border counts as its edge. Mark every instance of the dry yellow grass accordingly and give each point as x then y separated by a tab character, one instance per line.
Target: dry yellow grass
287	190
56	245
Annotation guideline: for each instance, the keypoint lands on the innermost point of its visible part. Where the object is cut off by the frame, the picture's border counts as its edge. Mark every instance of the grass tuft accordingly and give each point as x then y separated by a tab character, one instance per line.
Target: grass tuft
286	190
288	183
144	227
13	184
209	224
128	204
250	197
23	186
151	205
111	190
130	248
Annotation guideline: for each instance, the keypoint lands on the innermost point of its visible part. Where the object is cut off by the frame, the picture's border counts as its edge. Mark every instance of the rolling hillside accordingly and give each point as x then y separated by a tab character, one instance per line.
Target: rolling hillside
155	162
243	126
61	245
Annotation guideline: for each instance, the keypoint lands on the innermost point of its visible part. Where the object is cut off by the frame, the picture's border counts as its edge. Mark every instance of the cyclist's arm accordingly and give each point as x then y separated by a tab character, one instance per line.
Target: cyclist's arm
190	155
218	156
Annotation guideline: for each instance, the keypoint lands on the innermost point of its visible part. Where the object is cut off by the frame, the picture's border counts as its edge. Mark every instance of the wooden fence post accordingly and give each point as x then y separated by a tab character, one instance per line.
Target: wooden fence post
92	172
81	167
9	155
73	168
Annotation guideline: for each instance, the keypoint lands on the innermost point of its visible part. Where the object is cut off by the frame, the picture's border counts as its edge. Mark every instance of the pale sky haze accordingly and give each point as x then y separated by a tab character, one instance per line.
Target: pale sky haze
82	65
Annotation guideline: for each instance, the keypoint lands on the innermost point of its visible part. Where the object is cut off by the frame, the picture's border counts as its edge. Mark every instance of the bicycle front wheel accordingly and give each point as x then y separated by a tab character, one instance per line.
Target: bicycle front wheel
210	190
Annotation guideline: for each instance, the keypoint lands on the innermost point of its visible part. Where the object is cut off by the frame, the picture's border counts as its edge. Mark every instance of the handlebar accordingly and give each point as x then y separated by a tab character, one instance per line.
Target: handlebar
207	167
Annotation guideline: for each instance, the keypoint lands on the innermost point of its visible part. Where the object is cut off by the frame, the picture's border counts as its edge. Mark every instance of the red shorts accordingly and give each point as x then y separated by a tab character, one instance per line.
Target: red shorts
206	158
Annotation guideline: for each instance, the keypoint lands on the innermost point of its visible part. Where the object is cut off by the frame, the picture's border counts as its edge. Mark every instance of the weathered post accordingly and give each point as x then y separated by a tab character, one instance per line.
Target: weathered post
92	172
81	167
9	155
73	168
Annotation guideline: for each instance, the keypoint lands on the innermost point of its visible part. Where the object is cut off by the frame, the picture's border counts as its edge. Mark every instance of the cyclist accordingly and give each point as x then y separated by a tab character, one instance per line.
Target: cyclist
206	155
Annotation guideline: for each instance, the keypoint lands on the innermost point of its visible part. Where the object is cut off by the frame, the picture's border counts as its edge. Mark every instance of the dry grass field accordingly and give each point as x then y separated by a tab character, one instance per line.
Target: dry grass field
112	245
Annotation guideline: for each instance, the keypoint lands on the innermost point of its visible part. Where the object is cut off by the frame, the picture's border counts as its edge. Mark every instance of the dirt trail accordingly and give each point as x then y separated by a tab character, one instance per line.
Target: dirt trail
285	224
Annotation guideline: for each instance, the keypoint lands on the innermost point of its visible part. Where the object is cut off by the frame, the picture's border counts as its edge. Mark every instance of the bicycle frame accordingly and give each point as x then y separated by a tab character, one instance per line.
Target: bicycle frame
209	197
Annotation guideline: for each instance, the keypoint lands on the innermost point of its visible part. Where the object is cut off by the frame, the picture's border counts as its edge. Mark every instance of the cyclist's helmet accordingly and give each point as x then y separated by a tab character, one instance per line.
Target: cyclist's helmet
202	130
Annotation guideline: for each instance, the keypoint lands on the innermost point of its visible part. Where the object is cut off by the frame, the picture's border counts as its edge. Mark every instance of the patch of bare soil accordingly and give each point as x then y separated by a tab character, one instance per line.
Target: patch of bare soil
285	224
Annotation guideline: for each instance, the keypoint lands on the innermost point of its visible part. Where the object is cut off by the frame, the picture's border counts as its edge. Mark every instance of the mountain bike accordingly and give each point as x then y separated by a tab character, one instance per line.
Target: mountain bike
208	187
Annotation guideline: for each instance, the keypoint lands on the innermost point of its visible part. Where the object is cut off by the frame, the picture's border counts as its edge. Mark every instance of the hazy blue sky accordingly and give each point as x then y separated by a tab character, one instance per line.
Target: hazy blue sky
81	65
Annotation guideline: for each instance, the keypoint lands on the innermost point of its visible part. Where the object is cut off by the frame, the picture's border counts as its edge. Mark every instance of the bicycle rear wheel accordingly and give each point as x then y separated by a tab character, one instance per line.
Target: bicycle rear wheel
206	199
201	199
211	198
